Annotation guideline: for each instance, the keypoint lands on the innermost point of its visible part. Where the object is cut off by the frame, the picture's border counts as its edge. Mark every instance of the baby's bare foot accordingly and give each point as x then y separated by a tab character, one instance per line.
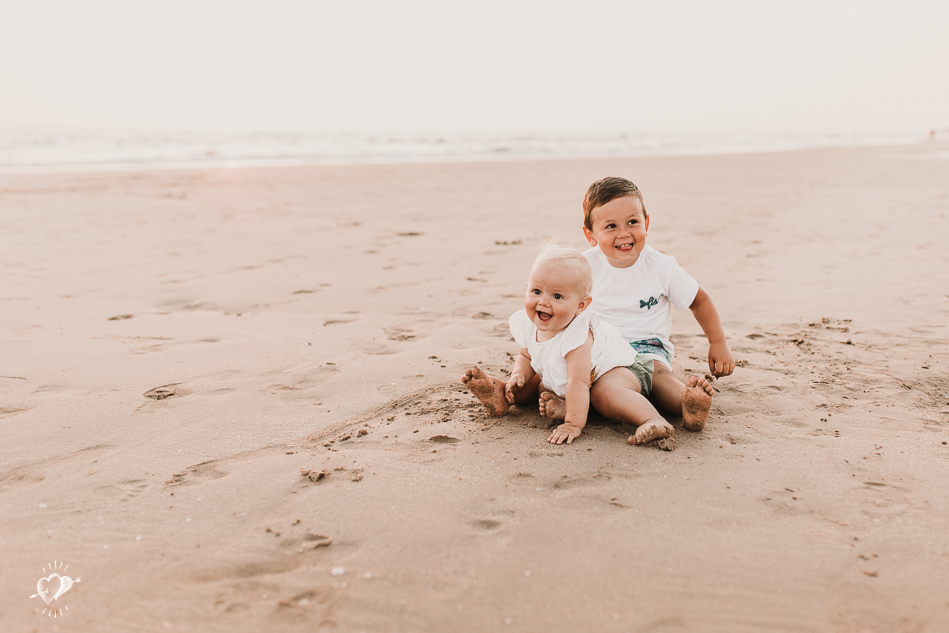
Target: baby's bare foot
658	431
490	391
696	401
552	406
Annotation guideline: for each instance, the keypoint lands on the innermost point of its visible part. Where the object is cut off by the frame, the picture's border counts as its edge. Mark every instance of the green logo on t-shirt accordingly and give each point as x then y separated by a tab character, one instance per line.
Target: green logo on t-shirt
648	304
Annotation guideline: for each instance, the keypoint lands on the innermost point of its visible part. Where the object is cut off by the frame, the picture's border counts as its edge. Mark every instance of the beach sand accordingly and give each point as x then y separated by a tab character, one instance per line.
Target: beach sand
230	400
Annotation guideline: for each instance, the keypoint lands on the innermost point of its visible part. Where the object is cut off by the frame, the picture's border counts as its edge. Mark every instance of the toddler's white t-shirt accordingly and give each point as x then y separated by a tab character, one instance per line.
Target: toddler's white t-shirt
638	300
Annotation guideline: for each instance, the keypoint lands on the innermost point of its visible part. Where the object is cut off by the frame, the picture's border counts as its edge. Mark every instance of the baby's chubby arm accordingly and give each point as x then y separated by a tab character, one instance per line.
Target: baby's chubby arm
579	366
720	362
521	374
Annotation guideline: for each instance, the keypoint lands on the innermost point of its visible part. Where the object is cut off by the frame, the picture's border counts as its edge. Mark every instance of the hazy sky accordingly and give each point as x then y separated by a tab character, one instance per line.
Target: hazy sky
506	65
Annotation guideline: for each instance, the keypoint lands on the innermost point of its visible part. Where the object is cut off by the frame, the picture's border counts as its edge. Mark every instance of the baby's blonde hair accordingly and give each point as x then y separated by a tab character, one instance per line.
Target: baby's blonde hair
571	259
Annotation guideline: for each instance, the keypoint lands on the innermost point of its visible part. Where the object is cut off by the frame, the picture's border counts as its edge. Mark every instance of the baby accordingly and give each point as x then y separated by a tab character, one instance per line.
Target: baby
569	349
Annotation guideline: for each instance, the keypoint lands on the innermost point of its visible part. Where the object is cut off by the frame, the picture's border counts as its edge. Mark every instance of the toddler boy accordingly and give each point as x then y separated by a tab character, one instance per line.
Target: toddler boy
635	288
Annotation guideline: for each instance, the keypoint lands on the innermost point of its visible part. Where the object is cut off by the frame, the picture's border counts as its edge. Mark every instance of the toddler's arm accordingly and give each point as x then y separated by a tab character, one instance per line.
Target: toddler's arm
720	362
579	366
521	374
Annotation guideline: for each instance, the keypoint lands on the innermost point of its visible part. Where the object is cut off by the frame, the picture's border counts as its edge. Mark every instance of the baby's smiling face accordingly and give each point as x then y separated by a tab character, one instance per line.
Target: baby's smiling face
554	297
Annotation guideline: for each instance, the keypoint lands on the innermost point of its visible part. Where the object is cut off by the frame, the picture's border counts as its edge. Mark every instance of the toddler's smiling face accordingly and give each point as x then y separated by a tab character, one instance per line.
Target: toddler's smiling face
619	230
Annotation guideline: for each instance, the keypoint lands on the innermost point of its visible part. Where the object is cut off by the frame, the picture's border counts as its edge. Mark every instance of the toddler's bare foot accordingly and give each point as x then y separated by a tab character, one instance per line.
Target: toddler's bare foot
658	431
552	406
696	401
490	391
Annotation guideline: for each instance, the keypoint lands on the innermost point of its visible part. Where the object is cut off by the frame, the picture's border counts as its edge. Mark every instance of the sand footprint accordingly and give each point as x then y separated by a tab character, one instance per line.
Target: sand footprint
881	501
194	475
486	525
7	411
167	391
132	489
567	481
33	473
399	334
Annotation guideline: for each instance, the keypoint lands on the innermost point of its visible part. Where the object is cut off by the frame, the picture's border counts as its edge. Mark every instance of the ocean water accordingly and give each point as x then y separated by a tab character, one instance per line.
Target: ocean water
48	150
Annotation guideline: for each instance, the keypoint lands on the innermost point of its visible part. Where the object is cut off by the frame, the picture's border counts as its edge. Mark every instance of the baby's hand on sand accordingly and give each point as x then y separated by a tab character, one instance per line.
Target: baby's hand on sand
720	361
565	432
514	384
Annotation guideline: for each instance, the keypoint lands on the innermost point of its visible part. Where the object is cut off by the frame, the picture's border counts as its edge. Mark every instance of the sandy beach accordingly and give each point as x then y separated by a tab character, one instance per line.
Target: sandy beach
230	400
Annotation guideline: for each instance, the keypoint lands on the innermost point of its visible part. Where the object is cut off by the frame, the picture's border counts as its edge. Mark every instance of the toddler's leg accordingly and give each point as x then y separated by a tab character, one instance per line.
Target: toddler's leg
692	399
617	396
696	402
